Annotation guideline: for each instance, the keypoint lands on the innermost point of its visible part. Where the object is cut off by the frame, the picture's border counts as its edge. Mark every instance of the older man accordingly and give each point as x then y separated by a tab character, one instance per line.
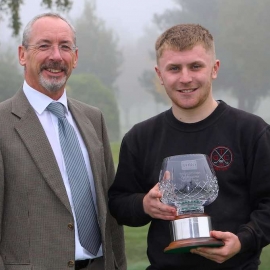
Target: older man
55	164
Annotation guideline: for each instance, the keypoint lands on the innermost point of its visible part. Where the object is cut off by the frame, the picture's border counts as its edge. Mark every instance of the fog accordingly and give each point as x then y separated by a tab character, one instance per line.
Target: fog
135	31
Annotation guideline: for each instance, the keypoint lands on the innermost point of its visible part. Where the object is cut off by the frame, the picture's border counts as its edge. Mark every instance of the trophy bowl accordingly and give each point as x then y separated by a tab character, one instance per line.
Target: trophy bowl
188	182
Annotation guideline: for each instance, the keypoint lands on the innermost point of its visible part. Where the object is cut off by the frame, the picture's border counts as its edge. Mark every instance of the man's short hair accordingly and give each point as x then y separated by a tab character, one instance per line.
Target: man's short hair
183	37
28	28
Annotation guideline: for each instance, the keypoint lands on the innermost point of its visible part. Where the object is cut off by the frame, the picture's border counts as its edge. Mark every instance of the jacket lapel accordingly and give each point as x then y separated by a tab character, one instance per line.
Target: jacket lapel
35	140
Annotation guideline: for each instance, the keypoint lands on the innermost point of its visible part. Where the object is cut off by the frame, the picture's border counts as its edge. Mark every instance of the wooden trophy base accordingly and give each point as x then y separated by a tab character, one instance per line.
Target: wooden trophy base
185	245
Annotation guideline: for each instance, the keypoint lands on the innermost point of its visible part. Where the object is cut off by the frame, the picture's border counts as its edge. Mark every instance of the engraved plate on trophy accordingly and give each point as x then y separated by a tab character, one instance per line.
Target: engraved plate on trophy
188	182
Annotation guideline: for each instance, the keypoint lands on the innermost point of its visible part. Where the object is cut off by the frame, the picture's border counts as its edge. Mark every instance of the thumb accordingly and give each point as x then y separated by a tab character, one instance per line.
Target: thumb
155	192
218	235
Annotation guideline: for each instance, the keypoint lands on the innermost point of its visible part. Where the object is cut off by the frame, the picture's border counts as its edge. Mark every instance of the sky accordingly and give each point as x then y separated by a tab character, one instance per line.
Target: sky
127	18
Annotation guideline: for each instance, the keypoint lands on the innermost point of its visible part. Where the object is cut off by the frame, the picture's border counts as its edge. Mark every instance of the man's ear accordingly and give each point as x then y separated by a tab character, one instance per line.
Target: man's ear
22	55
75	59
215	69
159	75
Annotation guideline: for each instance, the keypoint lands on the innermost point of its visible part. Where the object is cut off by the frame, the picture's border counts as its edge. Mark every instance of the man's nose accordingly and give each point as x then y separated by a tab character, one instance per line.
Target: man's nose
55	52
185	76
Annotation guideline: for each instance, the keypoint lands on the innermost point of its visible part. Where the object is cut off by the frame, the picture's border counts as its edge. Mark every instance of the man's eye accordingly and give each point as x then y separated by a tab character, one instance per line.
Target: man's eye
174	68
43	47
66	48
196	66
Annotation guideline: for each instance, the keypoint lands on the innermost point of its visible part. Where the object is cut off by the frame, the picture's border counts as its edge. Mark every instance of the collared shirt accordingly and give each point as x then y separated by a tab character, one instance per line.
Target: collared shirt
49	121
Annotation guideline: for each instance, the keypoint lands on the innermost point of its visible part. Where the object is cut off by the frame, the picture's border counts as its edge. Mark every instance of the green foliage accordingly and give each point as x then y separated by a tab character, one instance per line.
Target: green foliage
98	52
60	4
190	11
10	77
245	50
147	81
12	7
89	89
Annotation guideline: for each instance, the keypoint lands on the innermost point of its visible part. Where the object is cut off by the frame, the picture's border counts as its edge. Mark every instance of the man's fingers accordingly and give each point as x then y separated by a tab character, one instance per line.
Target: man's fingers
165	213
231	247
167	175
167	210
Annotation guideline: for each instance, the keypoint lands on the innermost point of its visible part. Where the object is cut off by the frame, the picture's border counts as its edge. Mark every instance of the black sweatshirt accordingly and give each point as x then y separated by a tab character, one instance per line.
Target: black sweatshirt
238	144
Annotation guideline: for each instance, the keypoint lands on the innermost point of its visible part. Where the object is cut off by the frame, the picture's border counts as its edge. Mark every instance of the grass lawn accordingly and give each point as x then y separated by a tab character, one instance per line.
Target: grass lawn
265	259
115	146
135	239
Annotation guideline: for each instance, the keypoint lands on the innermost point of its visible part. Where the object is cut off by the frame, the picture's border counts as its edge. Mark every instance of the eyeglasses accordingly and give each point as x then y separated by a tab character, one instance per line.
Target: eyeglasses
63	48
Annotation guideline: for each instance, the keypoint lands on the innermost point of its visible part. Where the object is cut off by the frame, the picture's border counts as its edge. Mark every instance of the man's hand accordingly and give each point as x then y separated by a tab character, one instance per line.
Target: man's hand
231	247
155	208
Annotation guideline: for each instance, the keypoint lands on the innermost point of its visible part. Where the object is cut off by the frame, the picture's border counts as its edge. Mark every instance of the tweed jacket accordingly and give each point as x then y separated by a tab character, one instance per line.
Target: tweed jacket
36	221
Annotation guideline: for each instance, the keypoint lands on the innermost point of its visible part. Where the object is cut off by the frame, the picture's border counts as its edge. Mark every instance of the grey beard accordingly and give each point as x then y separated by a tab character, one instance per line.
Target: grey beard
52	85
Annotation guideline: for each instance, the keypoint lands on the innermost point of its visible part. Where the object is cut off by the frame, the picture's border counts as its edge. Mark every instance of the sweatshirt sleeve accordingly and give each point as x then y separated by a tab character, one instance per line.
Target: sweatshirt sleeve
126	194
256	233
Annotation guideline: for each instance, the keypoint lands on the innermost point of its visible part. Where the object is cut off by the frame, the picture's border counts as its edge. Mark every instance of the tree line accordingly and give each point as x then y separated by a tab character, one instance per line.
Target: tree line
240	30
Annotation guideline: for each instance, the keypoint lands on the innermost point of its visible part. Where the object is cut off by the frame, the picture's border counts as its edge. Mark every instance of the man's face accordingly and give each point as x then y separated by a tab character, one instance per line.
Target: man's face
187	76
47	60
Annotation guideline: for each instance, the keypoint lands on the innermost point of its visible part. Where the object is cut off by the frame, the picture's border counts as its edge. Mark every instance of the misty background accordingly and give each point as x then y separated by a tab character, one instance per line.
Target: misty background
116	53
115	70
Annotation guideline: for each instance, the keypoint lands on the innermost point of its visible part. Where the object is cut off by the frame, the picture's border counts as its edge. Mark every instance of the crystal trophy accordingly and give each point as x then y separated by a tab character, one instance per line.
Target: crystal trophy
188	182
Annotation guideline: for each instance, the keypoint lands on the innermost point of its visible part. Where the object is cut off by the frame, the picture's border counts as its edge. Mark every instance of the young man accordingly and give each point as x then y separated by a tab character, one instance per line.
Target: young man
55	164
197	123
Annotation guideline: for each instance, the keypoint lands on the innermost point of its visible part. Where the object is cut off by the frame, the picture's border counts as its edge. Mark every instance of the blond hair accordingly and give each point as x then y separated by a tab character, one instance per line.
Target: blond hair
184	37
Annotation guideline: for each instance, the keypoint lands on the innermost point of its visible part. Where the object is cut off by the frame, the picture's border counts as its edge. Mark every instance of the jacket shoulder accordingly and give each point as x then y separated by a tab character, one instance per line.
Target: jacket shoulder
83	106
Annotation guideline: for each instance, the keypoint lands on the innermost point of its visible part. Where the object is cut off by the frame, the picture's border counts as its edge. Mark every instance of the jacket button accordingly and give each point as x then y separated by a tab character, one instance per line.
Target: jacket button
71	263
70	226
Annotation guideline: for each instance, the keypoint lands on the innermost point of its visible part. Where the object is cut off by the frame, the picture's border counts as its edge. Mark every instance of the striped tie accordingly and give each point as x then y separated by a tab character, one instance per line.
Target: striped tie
86	217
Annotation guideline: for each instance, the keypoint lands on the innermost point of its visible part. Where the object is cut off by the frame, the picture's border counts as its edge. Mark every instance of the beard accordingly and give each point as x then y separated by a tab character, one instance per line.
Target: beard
53	84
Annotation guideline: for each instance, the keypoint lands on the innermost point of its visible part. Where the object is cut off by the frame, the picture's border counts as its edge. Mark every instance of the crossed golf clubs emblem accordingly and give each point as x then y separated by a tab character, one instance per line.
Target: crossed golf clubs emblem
221	161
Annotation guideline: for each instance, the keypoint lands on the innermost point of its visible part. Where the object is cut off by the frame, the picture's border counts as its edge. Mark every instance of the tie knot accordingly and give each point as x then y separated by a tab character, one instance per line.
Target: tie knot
57	109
